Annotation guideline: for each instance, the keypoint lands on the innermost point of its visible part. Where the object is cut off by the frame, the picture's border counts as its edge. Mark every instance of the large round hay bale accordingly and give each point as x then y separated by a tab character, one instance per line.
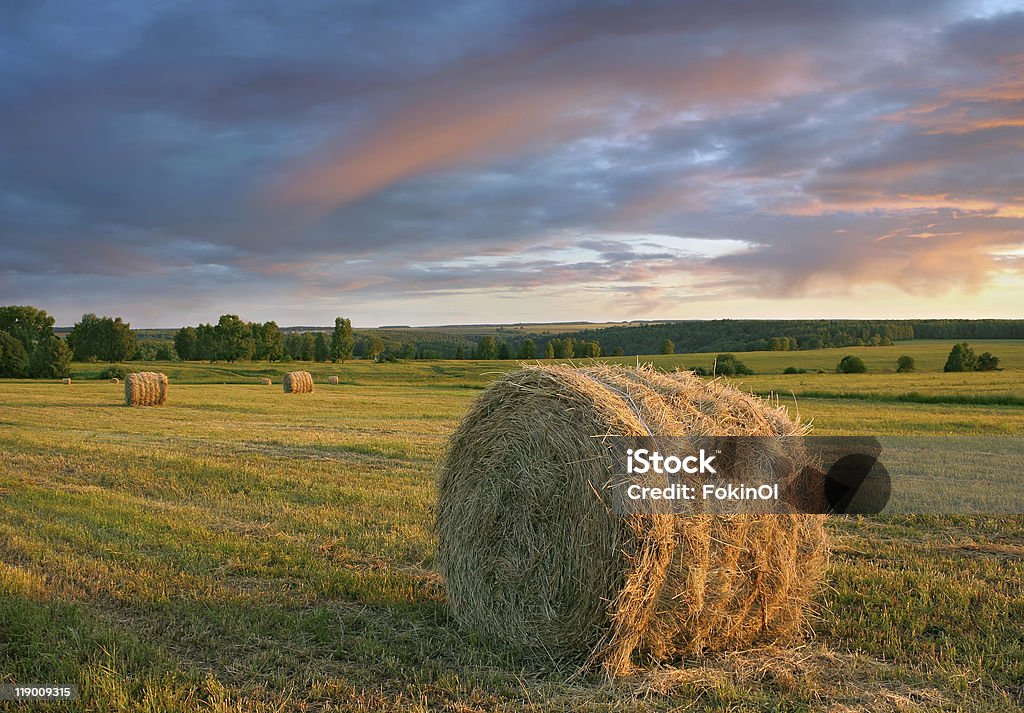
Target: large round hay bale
298	382
535	554
332	380
145	388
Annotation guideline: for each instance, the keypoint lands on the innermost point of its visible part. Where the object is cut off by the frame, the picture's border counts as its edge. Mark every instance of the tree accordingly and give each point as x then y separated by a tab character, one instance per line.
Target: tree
26	324
234	338
185	343
268	341
375	347
342	341
308	346
961	358
850	364
503	352
668	347
905	363
549	350
409	351
486	349
321	349
527	350
51	359
13	357
568	348
988	362
101	339
460	352
592	350
618	351
206	343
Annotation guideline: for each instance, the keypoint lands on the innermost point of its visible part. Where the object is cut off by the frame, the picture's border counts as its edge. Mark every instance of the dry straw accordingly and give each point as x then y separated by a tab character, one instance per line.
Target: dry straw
332	380
298	382
266	382
534	553
145	388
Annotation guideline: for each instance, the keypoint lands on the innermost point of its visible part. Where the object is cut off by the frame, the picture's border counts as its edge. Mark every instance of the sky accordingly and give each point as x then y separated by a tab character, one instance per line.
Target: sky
467	162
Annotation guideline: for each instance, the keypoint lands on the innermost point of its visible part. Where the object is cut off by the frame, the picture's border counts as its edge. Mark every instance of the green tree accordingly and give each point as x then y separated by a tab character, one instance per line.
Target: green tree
988	362
342	341
268	342
568	348
234	338
961	358
618	352
185	343
13	357
460	352
729	365
321	350
503	352
51	359
592	350
527	350
668	347
206	343
308	346
850	364
101	339
486	349
549	350
409	351
905	363
375	347
26	324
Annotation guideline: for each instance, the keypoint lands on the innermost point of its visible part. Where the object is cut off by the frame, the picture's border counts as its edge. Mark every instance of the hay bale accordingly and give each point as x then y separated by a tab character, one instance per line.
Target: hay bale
534	554
298	382
266	382
145	388
114	380
332	380
65	380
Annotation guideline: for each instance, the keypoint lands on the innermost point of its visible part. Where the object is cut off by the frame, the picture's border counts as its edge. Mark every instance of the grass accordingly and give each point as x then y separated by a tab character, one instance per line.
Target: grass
243	549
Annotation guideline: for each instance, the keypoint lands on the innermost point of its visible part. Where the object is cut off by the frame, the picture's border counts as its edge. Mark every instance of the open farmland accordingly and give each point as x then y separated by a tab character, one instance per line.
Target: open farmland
243	549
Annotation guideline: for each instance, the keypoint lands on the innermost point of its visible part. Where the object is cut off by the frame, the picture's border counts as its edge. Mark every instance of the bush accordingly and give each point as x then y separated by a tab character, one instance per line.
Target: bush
850	364
905	363
113	372
699	370
988	362
961	358
729	365
51	359
793	370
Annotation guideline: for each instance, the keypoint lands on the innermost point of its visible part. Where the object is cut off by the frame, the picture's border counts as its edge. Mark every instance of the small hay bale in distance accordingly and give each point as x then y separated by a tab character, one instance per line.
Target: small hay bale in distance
332	380
298	382
535	555
266	382
114	380
145	388
65	380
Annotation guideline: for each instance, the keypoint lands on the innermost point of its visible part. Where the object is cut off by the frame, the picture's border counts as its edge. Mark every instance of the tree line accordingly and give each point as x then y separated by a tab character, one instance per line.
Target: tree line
28	346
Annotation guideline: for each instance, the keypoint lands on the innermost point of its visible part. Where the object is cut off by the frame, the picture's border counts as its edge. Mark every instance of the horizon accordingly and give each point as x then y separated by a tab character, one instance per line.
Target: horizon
475	163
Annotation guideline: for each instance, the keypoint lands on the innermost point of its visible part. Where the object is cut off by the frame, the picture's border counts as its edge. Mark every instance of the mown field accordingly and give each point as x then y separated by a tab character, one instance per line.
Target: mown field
240	549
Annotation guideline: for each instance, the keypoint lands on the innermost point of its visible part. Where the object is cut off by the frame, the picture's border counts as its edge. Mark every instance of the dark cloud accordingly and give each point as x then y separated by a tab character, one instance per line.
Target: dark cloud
267	157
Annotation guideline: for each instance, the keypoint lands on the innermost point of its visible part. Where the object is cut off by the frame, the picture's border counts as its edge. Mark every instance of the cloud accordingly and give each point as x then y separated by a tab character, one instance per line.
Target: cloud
476	156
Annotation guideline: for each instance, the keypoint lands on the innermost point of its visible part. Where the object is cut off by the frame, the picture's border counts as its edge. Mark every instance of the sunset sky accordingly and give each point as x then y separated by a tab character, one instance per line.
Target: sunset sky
454	162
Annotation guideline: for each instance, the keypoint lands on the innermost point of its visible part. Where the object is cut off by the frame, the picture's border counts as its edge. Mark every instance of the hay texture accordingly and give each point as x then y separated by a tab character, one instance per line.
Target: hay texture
535	555
332	380
65	380
266	382
114	380
145	388
298	382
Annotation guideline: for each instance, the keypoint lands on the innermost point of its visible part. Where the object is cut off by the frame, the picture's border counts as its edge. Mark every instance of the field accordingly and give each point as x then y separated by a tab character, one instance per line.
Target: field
240	549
